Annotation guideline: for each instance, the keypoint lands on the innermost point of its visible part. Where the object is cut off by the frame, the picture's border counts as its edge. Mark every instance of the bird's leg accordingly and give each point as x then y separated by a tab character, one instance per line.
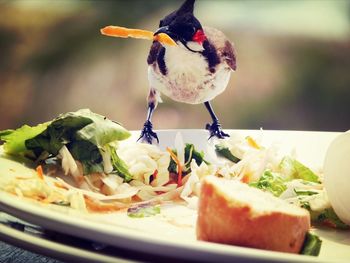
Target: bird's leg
214	128
147	134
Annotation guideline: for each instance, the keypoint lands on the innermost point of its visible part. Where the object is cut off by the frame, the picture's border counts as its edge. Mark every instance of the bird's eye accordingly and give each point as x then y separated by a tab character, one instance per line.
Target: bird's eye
192	30
188	31
161	23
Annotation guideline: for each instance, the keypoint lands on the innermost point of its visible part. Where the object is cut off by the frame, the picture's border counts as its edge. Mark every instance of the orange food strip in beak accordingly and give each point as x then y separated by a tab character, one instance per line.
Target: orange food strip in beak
165	39
117	31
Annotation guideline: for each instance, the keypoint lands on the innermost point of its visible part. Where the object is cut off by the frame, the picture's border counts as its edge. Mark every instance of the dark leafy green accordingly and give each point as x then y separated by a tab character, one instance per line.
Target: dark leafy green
312	245
88	154
225	152
192	154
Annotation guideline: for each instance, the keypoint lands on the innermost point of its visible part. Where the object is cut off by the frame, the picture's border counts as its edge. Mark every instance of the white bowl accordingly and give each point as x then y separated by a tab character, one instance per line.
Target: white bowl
337	175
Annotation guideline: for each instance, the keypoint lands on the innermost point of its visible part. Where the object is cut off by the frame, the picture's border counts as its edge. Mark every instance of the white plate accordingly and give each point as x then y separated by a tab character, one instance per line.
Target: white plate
174	237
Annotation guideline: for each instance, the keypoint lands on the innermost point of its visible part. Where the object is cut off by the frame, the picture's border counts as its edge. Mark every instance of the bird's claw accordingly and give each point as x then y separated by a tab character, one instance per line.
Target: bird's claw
147	134
215	130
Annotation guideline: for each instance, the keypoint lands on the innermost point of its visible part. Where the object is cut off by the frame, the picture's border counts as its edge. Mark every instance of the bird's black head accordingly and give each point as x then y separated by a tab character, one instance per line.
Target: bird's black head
182	26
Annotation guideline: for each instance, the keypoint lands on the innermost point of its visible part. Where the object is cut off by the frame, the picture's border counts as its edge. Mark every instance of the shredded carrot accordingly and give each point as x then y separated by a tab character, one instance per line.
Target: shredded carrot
123	32
39	171
79	180
179	167
60	185
252	143
97	206
245	179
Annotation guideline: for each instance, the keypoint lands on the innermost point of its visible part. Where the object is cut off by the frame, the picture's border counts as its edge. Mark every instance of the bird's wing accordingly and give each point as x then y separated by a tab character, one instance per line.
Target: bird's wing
224	47
153	53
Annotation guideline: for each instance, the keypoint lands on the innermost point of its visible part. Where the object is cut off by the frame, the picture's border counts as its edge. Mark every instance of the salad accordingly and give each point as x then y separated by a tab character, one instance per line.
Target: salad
81	161
88	169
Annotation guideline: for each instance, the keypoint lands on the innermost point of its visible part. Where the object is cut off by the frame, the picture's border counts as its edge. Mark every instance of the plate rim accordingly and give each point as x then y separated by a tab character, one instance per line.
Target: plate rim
57	221
51	248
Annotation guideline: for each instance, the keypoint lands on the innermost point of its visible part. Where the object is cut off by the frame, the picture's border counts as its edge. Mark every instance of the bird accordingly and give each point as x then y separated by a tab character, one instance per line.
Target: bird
194	71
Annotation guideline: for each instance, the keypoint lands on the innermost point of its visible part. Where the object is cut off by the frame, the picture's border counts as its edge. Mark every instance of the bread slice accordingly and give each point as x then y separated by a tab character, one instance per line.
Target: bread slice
232	212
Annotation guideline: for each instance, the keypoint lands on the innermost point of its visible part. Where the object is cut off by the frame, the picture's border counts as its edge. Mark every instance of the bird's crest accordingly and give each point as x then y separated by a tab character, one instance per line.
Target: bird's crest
187	7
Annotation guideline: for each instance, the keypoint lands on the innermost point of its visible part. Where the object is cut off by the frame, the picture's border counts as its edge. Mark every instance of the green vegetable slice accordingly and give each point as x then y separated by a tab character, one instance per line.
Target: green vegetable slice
119	166
225	152
143	210
302	192
192	154
312	245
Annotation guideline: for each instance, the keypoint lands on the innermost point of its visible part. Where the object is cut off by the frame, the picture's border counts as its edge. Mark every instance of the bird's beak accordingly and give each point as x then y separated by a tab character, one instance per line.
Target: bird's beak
164	36
163	29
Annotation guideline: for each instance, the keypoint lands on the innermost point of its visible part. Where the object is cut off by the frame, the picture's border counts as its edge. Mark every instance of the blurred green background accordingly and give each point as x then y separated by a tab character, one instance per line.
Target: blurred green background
293	63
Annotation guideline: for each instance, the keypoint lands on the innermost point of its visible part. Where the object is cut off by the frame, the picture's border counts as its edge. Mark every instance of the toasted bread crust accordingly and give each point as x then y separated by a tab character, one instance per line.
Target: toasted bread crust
223	221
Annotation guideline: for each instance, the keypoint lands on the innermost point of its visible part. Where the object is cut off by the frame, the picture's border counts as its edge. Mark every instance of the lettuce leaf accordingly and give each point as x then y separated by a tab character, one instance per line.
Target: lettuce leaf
272	182
101	130
82	125
312	245
61	131
119	166
83	132
294	169
15	139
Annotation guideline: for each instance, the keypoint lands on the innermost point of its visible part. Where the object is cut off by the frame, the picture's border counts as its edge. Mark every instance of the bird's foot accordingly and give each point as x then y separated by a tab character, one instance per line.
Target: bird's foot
147	134
215	130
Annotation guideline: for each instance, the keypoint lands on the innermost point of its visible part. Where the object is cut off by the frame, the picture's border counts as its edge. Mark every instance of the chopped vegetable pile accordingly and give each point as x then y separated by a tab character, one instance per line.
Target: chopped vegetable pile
81	162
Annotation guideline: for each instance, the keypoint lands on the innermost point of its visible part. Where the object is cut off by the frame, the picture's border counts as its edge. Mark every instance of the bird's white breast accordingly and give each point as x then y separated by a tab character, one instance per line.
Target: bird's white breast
188	79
